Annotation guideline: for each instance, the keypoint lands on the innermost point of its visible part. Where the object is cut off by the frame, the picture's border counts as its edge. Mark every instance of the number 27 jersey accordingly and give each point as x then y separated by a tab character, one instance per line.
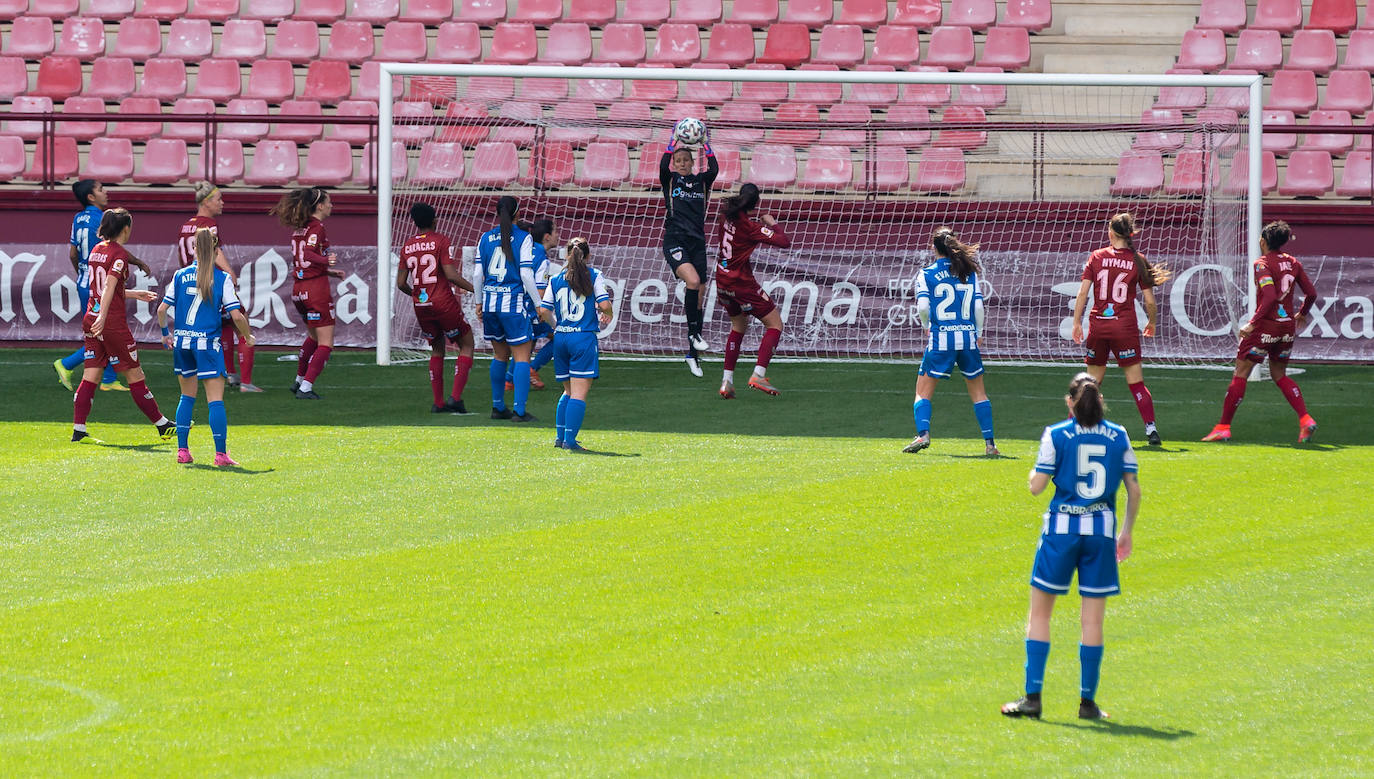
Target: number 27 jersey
953	307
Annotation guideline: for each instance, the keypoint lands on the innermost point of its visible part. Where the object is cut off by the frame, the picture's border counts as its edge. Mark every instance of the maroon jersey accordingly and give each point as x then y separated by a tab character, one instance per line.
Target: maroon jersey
309	251
1115	281
1276	274
423	257
186	243
108	260
737	240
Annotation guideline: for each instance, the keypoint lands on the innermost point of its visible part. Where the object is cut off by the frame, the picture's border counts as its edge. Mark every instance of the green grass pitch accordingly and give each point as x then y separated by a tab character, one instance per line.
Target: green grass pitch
760	587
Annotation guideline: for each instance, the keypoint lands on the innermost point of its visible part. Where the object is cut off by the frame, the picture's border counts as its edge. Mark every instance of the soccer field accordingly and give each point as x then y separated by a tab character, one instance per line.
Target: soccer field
765	586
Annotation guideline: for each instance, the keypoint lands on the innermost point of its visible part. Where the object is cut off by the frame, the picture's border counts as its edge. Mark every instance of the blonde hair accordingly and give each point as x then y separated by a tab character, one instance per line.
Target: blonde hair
204	190
206	244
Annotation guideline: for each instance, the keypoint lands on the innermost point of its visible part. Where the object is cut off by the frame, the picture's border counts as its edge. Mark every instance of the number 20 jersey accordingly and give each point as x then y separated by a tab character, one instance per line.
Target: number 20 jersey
1086	465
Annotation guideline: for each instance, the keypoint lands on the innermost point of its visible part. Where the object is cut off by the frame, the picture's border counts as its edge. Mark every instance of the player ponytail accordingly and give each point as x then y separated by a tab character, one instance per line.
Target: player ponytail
297	206
960	255
1123	227
206	246
578	274
1089	409
746	201
506	208
1276	234
113	223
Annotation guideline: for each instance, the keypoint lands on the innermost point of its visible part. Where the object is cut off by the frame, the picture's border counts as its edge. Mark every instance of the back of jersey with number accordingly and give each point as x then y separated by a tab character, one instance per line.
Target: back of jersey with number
424	257
186	241
576	313
84	226
1115	280
194	316
109	261
1282	271
952	302
310	238
1087	464
502	290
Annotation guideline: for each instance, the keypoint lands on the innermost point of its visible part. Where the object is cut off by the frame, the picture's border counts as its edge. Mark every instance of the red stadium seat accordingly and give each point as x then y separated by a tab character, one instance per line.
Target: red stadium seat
427	12
1204	50
602	91
1139	173
730	44
765	93
351	42
296	41
773	167
605	166
28	104
622	43
458	42
697	12
646	171
840	44
568	43
549	91
864	13
464	123
1356	179
675	112
163	10
327	164
727	157
138	39
573	123
271	80
275	164
190	40
653	91
299	133
597	13
931	95
1034	15
109	10
137	130
227	165
1259	50
885	170
550	166
821	93
374	12
320	11
1185	98
54	9
874	94
985	95
1225	15
355	134
218	80
404	42
1163	140
1309	174
939	170
1282	15
189	131
412	134
327	82
787	44
828	169
58	78
800	136
1237	180
1359	51
64	161
513	43
1007	48
649	13
815	14
82	38
520	123
31	37
924	14
1348	90
1233	98
628	124
708	92
11	157
490	88
1190	173
109	160
268	11
165	161
1294	90
974	14
14	77
440	164
739	123
896	45
755	13
1313	50
1278	143
213	10
962	138
245	131
369	169
1336	144
907	139
677	44
243	39
950	47
847	113
483	12
1338	16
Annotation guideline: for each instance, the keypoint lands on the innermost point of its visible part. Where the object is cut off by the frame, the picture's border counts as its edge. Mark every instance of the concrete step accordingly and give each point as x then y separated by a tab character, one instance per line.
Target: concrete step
1135	25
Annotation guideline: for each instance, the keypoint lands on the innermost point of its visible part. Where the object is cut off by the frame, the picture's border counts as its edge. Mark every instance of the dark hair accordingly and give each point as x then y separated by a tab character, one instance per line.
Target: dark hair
422	214
578	274
540	229
505	211
1089	409
1276	234
1123	226
83	189
734	205
297	206
113	223
960	254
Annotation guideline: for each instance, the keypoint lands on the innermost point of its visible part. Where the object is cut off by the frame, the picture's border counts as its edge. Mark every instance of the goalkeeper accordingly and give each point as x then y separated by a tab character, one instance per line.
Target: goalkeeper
684	235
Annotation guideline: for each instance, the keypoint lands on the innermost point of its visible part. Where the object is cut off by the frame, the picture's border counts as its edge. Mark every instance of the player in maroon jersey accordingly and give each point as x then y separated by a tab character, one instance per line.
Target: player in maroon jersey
305	210
1112	275
428	274
108	338
738	292
209	205
1271	330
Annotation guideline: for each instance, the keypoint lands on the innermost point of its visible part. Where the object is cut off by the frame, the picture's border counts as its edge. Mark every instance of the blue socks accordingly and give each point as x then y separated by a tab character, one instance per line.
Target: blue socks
1037	652
920	410
184	408
74	359
572	420
560	415
1091	659
219	425
983	412
522	386
498	384
542	357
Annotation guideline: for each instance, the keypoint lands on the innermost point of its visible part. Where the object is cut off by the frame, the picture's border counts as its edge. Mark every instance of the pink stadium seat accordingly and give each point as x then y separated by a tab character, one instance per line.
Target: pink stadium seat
568	43
800	136
865	13
28	104
351	42
299	133
1139	173
513	43
31	37
820	93
427	12
985	95
1007	48
550	166
847	113
1222	133
653	91
677	44
138	39
597	13
1348	90
227	165
165	161
164	79
1309	174
628	124
974	14
924	14
673	112
698	12
730	167
458	42
109	160
1034	15
1278	143
11	157
549	91
962	138
464	123
1237	180
412	134
189	39
218	79
885	170
815	14
755	13
1282	15
296	41
874	94
1336	144
275	164
327	82
1313	50
649	13
163	10
840	44
327	164
907	139
520	123
1190	173
708	92
1225	15
189	131
483	12
58	77
215	11
137	130
939	170
730	43
573	123
739	123
403	42
931	95
270	11
787	44
271	80
828	169
64	161
1338	16
243	39
368	85
646	172
490	88
605	166
1359	51
540	12
54	9
14	77
950	47
320	11
369	170
1203	50
622	43
766	94
1185	98
83	38
1259	50
1161	140
773	167
1233	98
440	164
602	91
1356	180
896	45
246	131
355	134
1294	90
374	12
109	10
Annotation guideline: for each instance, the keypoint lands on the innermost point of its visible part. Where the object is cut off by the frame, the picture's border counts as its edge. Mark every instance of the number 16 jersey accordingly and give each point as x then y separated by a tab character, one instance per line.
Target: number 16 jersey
1115	281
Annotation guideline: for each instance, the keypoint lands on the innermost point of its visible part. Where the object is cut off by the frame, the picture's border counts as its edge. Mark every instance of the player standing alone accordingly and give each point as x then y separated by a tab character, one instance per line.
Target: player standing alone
505	265
575	356
209	205
1112	274
738	292
305	210
1271	330
1088	458
427	274
93	198
684	236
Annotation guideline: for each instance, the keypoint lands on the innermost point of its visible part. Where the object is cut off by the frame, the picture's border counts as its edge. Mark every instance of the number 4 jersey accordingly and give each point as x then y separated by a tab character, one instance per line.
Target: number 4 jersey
1086	465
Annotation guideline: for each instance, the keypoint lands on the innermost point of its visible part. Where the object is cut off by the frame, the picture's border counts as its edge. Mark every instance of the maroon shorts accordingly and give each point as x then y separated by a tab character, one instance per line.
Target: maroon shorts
314	302
751	300
448	324
116	348
1102	342
1268	340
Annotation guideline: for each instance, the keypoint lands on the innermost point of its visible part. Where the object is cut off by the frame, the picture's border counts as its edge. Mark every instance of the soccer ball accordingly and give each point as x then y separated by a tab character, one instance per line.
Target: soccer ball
690	131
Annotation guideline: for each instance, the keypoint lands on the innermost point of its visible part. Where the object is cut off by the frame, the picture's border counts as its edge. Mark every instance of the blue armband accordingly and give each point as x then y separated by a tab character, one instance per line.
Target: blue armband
166	332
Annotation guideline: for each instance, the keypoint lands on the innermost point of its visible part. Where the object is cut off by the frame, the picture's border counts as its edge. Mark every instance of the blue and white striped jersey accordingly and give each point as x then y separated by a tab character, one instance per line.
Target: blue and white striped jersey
953	305
195	321
84	226
1087	465
574	313
502	290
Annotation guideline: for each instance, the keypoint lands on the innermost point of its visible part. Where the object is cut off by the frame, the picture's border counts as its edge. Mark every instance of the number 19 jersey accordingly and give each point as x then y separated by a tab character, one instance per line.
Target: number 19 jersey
1086	465
953	322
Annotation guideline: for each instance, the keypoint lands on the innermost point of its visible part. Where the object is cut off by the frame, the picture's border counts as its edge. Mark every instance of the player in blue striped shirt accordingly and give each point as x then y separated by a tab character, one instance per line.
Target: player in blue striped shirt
200	296
545	235
575	351
1088	459
93	198
505	266
950	307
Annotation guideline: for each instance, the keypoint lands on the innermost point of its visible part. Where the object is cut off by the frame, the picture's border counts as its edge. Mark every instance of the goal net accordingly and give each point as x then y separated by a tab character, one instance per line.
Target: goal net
860	167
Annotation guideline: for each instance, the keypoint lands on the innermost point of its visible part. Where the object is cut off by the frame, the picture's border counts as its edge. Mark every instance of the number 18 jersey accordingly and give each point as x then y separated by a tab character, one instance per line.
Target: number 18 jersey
1086	465
575	313
953	322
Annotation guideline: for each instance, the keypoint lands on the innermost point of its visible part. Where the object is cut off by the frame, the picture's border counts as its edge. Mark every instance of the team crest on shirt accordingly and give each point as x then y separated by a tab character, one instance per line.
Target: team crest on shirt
1108	312
95	309
424	296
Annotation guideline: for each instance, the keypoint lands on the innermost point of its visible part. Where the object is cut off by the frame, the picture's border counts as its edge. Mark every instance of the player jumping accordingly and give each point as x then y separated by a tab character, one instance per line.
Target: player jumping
684	236
738	292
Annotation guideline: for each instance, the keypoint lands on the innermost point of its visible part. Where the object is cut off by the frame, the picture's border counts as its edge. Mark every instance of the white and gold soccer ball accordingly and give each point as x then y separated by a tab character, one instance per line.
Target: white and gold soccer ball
690	131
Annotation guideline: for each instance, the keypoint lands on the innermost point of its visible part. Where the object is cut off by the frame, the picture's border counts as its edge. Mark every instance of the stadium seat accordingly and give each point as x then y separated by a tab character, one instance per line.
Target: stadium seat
950	47
374	12
653	91
827	169
1139	173
1356	180
355	134
14	77
1294	90
403	42
270	11
629	124
275	164
869	14
271	80
1203	50
137	130
12	157
1007	48
773	166
930	95
885	169
551	165
464	123
698	12
730	43
787	44
1189	176
602	91
489	88
427	12
550	91
596	13
739	123
1184	98
327	82
1282	15
483	12
296	41
1238	178
1233	98
974	14
327	164
54	9
798	136
1359	51
440	164
64	161
964	138
245	131
303	133
675	112
728	158
513	43
138	39
1229	16
165	161
874	94
1259	50
755	13
766	94
568	43
708	92
108	10
227	165
1034	15
1309	174
840	44
190	40
939	170
218	80
1348	90
320	11
1161	140
907	139
1313	50
540	12
112	78
897	45
815	14
1221	136
164	79
677	44
243	39
458	43
213	10
646	170
411	134
1337	144
368	85
351	42
31	37
819	92
189	131
985	95
573	123
622	43
649	13
163	10
82	38
604	166
58	78
1338	16
109	160
847	113
521	119
27	104
368	169
1278	143
923	14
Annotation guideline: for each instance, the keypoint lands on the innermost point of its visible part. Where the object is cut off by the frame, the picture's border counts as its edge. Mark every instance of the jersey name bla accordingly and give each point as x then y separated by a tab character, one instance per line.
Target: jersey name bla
197	322
424	258
310	251
186	242
109	260
1115	281
1282	271
574	312
1086	466
503	292
84	226
953	305
737	240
